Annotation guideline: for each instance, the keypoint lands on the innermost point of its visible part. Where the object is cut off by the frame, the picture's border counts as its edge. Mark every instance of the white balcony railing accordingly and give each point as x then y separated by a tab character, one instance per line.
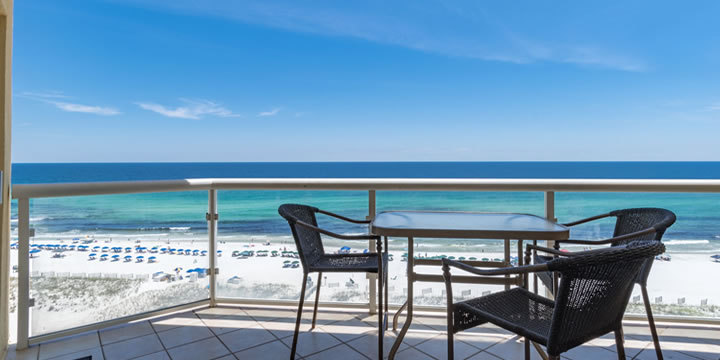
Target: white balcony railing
23	194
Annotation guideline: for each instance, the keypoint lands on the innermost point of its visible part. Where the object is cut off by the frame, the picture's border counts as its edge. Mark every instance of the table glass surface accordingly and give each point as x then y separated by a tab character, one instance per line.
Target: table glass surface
464	221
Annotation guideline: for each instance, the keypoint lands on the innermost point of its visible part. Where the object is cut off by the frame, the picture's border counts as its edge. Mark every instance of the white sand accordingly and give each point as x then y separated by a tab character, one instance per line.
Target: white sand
687	275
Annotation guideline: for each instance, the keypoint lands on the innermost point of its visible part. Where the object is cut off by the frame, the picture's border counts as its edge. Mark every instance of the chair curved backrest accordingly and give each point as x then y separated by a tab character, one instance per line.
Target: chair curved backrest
638	219
308	242
593	292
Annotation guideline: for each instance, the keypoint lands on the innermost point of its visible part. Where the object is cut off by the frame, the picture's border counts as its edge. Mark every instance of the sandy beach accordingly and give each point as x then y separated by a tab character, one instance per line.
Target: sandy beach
74	290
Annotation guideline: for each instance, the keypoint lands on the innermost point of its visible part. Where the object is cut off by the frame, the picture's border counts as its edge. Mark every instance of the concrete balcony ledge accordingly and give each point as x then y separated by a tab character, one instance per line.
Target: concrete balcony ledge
265	332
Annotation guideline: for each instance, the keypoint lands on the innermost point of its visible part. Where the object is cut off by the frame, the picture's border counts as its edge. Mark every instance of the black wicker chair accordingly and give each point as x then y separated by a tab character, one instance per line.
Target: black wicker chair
307	234
594	290
630	225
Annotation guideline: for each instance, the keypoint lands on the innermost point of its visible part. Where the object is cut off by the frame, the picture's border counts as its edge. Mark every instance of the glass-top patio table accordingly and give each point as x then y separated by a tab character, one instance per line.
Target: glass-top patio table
461	225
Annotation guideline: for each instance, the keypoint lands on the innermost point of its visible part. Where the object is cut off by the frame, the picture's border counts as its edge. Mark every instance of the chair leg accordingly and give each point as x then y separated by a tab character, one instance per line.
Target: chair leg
527	349
619	344
387	304
381	312
299	317
651	321
317	299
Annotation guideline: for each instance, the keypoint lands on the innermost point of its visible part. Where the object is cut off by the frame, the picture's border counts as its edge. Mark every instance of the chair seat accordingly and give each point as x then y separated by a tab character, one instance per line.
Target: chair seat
516	310
347	263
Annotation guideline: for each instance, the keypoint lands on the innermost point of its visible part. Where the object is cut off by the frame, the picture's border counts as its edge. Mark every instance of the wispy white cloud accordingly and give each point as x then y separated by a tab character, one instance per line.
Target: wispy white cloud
89	109
462	29
193	109
272	112
64	105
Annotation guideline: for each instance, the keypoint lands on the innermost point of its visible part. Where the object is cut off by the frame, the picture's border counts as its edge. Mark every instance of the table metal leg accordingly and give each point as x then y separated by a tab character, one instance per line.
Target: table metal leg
409	303
507	260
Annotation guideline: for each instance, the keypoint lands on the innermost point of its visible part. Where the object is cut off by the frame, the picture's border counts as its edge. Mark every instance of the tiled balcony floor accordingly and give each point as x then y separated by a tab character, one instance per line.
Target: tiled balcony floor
249	332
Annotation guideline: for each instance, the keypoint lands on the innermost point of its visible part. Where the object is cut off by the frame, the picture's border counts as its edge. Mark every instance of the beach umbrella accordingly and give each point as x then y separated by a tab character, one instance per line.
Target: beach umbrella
204	252
64	246
140	257
152	258
76	239
115	257
35	251
96	247
104	255
92	254
178	269
128	257
716	257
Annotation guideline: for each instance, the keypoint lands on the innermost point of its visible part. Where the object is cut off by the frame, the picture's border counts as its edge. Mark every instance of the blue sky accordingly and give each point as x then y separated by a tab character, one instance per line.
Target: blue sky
182	80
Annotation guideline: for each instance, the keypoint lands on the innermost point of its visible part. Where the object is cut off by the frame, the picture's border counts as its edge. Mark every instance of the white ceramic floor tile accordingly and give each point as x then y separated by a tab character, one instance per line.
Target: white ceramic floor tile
133	348
172	321
343	352
368	344
227	323
273	350
184	335
512	349
160	355
95	354
312	342
30	353
204	349
437	347
69	345
348	330
124	332
246	338
411	354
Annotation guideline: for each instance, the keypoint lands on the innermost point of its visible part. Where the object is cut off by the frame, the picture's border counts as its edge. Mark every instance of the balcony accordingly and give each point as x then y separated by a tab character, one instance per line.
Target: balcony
265	332
209	315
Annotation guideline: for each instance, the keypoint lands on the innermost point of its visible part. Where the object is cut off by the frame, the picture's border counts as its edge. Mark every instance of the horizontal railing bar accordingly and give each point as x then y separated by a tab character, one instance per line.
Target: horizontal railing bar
24	191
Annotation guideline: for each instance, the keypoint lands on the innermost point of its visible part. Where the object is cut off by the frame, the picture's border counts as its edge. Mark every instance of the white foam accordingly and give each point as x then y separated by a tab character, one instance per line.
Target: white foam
685	242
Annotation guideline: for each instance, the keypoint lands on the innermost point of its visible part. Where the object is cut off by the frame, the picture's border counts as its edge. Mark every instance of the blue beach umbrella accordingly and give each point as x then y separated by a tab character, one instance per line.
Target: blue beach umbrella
35	251
76	239
716	256
104	255
140	257
152	258
128	257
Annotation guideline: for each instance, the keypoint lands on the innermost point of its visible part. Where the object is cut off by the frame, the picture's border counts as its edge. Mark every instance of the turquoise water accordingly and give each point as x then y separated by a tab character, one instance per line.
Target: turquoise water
253	214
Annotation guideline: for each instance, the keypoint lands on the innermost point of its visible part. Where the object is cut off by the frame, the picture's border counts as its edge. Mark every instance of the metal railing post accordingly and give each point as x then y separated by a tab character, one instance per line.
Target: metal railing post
550	215
372	278
212	218
23	308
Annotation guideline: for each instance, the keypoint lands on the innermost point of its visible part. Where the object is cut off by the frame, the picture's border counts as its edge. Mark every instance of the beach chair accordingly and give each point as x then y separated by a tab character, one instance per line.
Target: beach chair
593	292
630	225
304	226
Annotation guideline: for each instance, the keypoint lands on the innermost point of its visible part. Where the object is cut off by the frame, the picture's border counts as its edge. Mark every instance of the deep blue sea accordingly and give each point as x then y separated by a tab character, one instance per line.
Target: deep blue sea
253	214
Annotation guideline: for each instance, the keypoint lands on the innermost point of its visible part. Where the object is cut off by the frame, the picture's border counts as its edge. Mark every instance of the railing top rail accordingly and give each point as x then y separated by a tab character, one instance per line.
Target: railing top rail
25	191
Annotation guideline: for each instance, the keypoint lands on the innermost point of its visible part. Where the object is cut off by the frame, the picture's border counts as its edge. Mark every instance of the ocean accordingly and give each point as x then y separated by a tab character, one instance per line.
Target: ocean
252	215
